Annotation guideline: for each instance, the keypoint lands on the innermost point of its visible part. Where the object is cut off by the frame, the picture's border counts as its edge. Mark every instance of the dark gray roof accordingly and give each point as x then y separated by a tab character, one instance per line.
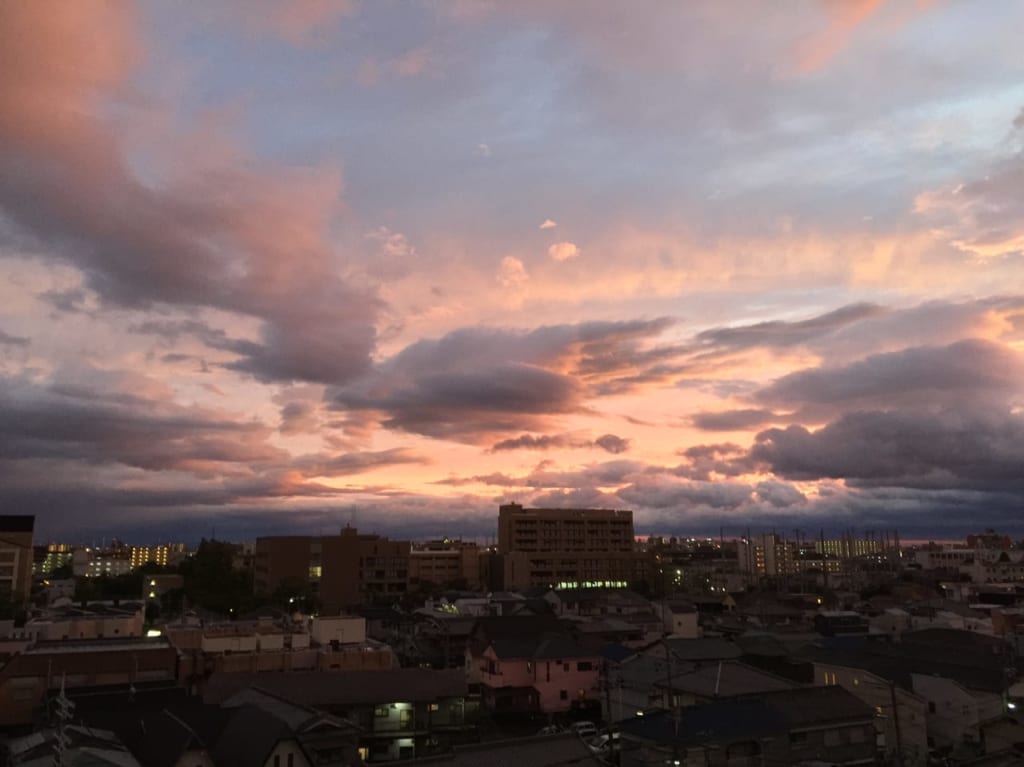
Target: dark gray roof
540	751
710	648
343	688
543	647
896	663
751	716
249	738
727	679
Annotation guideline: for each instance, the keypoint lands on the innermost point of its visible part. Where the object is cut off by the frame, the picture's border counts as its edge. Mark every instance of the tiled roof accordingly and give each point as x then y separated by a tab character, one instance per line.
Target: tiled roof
343	688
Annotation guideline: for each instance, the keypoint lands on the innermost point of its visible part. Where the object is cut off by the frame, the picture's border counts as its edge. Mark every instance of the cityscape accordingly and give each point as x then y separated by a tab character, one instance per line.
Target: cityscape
567	640
511	383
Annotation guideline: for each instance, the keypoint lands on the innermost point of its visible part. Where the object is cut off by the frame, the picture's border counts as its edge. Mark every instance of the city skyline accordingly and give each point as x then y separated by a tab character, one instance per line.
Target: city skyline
274	266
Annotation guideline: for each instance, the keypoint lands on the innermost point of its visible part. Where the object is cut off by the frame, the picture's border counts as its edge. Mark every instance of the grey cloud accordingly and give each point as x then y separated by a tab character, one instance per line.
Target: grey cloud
6	339
612	443
779	494
951	449
357	462
76	422
785	334
734	420
661	493
478	382
966	369
607	442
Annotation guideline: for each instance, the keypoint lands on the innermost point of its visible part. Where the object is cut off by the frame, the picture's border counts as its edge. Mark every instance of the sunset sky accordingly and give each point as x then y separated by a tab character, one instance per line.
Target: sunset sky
273	267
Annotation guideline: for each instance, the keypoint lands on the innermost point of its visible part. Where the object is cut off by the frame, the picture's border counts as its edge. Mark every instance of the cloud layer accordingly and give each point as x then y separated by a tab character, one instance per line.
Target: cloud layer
292	264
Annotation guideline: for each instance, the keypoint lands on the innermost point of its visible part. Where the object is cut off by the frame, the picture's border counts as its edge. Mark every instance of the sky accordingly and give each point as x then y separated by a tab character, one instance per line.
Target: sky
277	266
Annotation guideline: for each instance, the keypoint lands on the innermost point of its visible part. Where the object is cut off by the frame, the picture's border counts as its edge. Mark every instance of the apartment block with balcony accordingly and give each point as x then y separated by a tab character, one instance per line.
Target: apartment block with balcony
16	555
346	570
566	548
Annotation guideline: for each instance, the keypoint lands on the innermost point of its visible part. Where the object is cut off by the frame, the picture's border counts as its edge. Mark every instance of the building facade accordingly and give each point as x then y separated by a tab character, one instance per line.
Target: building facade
565	548
344	570
16	554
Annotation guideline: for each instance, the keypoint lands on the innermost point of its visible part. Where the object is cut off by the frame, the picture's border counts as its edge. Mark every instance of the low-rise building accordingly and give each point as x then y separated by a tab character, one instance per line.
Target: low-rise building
95	621
550	674
799	726
31	676
402	714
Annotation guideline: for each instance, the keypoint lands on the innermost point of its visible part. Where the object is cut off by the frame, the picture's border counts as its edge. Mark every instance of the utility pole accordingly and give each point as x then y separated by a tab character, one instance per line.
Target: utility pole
896	724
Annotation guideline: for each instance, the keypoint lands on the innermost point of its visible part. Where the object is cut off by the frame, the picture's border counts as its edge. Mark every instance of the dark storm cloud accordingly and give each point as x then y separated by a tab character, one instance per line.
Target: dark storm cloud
6	339
702	462
83	422
478	382
231	234
951	449
783	334
734	420
356	463
661	492
610	443
971	369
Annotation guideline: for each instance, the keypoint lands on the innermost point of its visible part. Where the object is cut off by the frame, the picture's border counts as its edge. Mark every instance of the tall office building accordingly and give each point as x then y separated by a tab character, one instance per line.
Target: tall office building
568	548
345	570
16	555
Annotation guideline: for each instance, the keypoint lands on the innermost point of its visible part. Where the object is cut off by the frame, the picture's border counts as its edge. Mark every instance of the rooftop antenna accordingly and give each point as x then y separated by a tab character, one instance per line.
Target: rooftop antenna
65	710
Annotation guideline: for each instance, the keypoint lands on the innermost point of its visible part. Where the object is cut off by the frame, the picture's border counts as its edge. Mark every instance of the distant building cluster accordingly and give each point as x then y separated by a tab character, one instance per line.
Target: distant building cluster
568	642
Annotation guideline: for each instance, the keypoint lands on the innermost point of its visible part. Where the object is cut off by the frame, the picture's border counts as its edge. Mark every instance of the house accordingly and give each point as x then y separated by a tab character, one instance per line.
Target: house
29	677
557	750
679	617
401	714
550	673
82	745
799	726
647	682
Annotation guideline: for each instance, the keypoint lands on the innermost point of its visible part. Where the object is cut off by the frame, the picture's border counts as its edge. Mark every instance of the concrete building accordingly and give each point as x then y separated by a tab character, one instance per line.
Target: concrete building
30	677
91	562
565	548
445	562
165	555
51	556
345	570
16	555
771	554
93	622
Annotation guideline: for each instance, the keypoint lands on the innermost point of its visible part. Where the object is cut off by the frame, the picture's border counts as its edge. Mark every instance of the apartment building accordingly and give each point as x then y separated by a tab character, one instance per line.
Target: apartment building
345	570
16	554
165	555
445	562
565	548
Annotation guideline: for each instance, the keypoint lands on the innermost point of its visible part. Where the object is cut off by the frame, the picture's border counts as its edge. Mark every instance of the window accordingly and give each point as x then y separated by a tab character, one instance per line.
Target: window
291	760
563	695
565	667
584	665
434	707
832	738
797	738
277	760
380	711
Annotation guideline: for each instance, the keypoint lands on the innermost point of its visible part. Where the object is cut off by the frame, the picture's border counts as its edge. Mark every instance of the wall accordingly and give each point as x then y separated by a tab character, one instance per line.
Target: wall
343	629
878	694
954	713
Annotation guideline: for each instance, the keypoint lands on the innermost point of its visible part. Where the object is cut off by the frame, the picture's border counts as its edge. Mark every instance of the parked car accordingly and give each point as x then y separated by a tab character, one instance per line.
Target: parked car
603	743
551	729
585	730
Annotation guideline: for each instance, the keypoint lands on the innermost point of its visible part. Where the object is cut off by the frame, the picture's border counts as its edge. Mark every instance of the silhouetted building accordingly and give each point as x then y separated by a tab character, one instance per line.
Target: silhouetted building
16	555
565	548
345	570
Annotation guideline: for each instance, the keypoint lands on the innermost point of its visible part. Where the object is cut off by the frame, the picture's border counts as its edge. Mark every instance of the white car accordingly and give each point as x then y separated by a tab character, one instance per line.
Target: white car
603	743
585	730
